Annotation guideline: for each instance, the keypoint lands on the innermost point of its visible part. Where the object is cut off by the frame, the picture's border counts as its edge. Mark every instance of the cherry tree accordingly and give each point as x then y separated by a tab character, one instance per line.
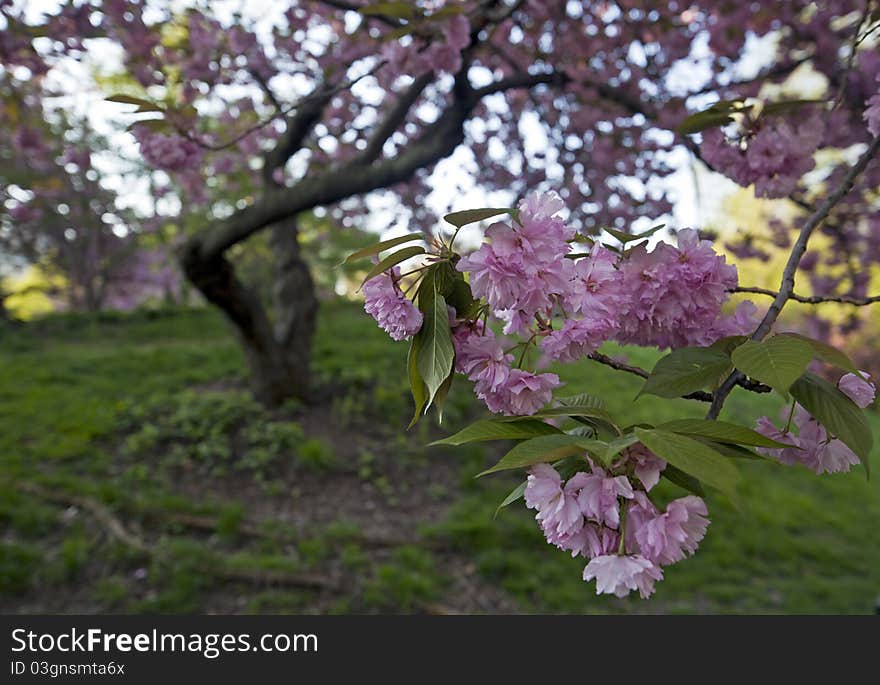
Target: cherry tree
252	120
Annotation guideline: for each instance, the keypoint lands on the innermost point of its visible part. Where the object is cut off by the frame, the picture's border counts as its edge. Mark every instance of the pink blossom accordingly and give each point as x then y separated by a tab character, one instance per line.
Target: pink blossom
646	465
813	447
578	337
522	393
480	356
859	390
595	285
558	512
598	498
385	302
672	296
665	538
171	153
619	574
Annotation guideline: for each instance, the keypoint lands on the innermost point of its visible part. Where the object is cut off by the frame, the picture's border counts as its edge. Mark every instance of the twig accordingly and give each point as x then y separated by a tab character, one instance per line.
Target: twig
699	395
813	299
794	259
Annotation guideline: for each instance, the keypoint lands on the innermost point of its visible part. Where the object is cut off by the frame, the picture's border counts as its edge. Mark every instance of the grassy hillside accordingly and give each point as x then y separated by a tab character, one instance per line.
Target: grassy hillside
137	475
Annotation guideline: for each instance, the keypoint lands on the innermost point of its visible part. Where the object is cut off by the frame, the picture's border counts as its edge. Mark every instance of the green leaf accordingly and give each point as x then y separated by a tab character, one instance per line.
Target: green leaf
487	429
625	237
778	361
440	397
461	298
554	412
683	480
686	370
517	493
692	457
718	114
583	399
546	448
617	445
382	246
826	353
470	216
728	344
728	450
721	431
393	259
435	343
416	384
395	10
142	105
837	412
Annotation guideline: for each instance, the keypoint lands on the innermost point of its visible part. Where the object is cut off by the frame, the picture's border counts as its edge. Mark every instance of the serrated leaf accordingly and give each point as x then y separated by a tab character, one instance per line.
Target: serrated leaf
728	344
471	216
826	353
683	480
416	384
686	370
489	429
718	114
440	396
436	353
395	10
729	450
382	246
838	413
617	446
693	457
778	361
142	105
721	431
546	448
393	259
625	237
556	412
583	399
517	493
462	299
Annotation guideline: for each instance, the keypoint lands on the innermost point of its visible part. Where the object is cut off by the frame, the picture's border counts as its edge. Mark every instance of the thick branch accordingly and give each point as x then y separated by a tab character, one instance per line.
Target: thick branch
438	141
394	118
813	299
794	259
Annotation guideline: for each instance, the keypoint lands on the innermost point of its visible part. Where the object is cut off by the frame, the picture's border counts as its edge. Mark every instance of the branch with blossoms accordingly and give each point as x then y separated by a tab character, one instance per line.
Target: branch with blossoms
531	295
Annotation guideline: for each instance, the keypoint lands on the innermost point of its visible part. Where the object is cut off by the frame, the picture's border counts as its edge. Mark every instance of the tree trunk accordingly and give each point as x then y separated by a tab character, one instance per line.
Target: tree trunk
277	357
296	305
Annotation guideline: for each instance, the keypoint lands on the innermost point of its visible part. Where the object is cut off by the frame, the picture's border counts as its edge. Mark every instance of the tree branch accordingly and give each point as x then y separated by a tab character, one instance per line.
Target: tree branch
394	118
699	395
797	252
814	299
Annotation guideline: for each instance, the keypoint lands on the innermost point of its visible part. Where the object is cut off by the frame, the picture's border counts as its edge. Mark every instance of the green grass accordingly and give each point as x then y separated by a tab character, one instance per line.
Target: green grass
105	407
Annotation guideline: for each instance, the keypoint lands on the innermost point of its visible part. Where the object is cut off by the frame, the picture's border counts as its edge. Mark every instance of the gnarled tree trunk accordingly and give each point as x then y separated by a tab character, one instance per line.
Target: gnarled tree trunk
278	356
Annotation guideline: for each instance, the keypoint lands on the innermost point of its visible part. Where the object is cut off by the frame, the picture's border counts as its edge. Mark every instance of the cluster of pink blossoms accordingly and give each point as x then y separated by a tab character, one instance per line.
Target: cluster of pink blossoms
387	304
609	520
812	446
170	153
669	297
773	156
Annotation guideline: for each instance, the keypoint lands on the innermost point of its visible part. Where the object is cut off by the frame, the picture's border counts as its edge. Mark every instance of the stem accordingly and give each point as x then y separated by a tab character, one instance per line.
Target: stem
786	288
814	299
